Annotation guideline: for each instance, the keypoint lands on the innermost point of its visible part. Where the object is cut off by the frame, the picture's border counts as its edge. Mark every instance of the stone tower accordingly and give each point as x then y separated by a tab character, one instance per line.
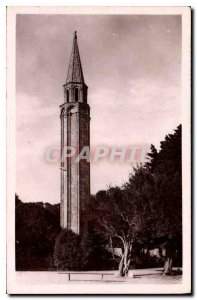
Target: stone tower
75	133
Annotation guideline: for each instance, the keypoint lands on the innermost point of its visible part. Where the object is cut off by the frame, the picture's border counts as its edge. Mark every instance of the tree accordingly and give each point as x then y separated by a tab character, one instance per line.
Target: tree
147	207
123	216
36	231
166	169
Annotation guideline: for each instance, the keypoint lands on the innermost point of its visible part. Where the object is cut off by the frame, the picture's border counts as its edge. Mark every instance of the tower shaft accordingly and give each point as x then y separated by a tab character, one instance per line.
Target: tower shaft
75	135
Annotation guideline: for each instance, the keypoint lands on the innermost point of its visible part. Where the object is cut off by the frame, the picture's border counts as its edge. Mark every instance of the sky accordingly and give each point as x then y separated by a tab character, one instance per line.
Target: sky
132	66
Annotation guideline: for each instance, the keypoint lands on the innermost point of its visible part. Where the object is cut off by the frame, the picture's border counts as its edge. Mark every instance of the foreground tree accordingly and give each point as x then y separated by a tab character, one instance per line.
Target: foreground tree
124	216
147	207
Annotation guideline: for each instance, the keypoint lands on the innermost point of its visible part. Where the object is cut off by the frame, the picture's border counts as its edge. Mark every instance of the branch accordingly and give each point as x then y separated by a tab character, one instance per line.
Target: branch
113	231
127	220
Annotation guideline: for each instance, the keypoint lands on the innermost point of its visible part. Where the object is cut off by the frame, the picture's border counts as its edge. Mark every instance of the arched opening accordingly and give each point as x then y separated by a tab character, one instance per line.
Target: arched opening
67	95
62	112
70	110
76	95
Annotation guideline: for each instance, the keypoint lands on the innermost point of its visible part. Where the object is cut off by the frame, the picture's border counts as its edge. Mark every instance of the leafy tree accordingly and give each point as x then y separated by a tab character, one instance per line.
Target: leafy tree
147	207
122	215
36	231
166	169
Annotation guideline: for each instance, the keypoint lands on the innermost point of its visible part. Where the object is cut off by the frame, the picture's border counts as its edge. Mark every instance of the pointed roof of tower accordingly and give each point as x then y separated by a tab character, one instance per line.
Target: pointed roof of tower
75	73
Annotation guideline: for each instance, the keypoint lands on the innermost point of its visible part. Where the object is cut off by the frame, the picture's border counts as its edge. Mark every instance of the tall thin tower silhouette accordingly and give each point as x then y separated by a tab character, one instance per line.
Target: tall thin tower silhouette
75	133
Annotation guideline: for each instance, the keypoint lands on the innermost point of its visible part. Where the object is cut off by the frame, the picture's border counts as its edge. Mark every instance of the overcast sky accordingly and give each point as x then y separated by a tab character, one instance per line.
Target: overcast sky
132	66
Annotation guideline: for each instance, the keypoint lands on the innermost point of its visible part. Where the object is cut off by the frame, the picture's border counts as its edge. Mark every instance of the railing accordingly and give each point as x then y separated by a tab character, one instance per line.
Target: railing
86	274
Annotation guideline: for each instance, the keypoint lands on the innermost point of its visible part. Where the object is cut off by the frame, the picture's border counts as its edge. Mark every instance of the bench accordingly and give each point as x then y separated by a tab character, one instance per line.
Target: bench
86	276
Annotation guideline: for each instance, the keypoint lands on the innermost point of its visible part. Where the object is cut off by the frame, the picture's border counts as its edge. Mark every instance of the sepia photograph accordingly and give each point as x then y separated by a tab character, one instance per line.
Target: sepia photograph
98	150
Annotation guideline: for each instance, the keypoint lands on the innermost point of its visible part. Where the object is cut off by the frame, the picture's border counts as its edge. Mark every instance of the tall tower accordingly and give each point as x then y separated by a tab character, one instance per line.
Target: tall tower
75	133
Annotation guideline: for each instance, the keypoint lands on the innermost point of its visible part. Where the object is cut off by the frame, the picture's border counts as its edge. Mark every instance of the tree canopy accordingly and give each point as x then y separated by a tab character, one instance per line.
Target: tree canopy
148	206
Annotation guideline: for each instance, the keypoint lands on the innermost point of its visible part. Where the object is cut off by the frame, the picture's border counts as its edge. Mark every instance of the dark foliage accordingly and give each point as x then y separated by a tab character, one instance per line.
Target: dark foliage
80	252
167	175
37	227
68	252
148	208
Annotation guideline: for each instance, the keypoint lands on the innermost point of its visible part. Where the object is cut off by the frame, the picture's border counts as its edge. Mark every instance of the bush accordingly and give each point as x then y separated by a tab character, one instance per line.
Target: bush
79	253
68	253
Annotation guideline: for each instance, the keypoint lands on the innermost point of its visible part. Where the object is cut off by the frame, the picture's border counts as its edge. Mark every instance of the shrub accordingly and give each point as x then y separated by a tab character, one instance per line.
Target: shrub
76	252
68	253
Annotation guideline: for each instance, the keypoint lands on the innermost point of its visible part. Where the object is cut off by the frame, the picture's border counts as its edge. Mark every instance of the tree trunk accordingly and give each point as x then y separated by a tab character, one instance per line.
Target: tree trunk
125	261
121	266
170	248
168	266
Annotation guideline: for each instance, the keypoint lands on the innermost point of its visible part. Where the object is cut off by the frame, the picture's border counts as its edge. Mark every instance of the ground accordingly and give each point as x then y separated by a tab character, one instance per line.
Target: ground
141	276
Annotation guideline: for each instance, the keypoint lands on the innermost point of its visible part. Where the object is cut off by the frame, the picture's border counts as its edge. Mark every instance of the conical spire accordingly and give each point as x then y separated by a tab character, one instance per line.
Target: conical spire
75	73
